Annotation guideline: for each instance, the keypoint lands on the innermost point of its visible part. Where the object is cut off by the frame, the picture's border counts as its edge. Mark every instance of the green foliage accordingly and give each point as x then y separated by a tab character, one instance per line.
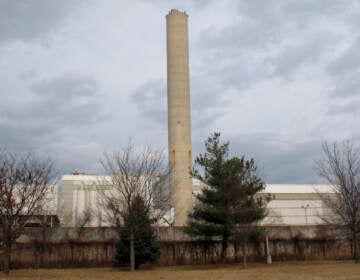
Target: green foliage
138	222
256	235
231	201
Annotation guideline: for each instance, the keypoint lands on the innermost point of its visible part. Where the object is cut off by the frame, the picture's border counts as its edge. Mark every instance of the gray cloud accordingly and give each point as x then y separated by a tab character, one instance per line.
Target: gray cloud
278	160
70	155
26	20
67	86
208	101
351	107
345	71
265	41
69	99
151	99
197	4
272	39
292	164
58	104
291	57
260	71
261	24
346	86
348	61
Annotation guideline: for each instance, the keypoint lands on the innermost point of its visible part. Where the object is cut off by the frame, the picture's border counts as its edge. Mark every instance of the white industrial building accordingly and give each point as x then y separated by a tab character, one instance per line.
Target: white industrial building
80	193
291	204
297	204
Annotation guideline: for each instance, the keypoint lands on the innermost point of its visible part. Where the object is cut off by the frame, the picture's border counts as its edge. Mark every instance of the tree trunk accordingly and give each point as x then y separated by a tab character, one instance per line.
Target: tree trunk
7	259
132	252
224	248
268	255
37	258
244	254
235	250
356	247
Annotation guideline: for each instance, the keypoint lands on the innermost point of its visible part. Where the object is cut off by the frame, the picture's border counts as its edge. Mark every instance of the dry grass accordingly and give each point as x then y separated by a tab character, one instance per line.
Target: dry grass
285	270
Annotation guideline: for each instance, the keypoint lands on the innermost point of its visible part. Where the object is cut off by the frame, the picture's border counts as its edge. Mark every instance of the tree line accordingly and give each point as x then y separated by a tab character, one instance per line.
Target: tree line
229	207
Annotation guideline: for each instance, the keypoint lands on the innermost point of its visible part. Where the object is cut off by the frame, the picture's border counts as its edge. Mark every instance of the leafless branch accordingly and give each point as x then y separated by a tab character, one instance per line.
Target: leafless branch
133	173
83	220
340	167
25	183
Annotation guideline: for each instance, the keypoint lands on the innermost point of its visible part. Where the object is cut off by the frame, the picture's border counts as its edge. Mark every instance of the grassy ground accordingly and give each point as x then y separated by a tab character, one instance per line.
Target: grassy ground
284	270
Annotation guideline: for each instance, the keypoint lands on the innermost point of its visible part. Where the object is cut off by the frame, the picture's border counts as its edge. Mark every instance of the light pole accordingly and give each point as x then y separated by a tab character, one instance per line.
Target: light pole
305	208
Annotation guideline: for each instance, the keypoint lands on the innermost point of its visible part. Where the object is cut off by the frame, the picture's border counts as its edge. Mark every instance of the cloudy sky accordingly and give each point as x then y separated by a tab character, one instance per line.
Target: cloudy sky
276	78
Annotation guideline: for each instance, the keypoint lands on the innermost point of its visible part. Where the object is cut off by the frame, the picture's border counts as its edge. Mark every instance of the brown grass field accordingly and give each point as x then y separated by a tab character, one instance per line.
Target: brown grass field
280	270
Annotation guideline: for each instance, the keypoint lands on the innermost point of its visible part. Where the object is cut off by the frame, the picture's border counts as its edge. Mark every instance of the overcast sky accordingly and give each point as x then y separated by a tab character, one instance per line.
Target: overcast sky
276	78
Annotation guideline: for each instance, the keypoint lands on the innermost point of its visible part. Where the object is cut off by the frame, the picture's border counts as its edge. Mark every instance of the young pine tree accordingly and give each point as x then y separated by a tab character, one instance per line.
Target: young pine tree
229	204
137	226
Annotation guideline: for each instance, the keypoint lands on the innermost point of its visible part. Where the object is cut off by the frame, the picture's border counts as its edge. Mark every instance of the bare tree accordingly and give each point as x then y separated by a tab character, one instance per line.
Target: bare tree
24	184
45	219
84	220
47	212
65	216
340	167
133	173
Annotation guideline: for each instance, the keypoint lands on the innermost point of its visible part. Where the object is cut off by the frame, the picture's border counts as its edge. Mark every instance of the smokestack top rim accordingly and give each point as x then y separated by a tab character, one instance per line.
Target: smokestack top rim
177	13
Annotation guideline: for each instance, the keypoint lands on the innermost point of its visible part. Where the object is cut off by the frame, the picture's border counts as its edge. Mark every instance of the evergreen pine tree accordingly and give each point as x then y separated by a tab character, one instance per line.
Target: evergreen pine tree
137	223
229	204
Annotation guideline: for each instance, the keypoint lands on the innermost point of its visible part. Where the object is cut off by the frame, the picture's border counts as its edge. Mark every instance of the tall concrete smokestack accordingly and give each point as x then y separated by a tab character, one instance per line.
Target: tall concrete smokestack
178	89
